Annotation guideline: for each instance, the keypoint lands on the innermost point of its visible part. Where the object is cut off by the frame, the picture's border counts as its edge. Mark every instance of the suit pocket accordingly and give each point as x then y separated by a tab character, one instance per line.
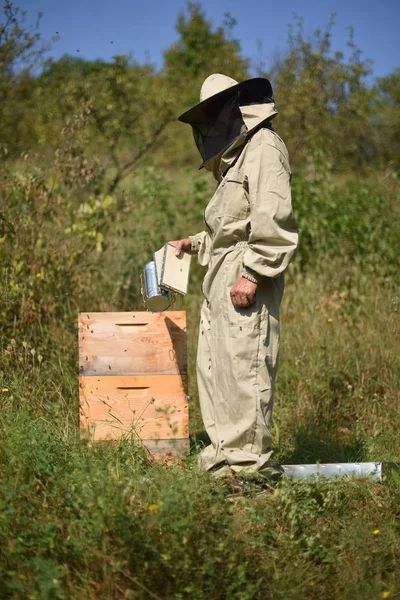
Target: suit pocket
232	198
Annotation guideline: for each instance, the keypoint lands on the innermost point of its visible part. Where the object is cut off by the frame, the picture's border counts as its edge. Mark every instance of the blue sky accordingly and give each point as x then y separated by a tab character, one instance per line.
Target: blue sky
100	29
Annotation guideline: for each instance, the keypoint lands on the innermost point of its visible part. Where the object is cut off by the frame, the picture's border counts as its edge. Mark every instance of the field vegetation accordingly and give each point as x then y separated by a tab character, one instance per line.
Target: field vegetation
95	174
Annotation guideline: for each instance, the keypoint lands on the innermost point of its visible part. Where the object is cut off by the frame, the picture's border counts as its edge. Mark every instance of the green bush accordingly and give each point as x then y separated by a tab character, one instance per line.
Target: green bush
352	222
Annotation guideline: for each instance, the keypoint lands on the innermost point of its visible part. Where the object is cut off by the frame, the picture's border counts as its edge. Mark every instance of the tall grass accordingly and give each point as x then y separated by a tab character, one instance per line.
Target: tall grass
81	521
102	521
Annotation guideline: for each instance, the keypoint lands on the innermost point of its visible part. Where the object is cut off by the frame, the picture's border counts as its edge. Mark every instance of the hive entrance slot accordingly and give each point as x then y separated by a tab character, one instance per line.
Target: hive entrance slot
133	387
131	324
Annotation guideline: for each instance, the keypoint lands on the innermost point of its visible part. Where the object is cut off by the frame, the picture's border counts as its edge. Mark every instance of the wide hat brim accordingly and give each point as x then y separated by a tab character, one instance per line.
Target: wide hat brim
252	90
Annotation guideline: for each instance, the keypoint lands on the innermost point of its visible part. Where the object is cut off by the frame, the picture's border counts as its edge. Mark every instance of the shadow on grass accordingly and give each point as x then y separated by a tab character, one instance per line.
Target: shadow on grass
313	446
198	441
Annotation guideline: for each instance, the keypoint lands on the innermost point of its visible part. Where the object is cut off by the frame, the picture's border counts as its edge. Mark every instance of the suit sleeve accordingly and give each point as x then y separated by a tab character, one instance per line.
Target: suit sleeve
201	246
273	236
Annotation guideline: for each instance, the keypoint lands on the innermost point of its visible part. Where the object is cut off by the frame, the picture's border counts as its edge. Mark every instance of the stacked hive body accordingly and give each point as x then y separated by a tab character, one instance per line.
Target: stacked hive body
133	377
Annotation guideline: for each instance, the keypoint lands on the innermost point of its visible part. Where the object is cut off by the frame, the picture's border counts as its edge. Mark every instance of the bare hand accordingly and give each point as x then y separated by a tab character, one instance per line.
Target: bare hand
184	245
243	292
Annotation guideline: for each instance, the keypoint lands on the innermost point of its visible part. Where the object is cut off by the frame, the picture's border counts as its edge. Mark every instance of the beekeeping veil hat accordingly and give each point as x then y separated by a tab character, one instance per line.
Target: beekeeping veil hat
228	110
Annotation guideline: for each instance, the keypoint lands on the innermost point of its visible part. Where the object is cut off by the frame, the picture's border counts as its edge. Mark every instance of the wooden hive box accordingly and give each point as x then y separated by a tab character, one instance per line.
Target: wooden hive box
133	378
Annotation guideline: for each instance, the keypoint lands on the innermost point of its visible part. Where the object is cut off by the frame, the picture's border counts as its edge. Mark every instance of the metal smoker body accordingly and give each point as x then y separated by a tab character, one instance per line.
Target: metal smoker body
163	277
155	297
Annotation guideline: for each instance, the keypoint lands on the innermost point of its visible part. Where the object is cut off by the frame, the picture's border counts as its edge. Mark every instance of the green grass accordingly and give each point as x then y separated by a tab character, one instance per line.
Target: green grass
102	522
83	521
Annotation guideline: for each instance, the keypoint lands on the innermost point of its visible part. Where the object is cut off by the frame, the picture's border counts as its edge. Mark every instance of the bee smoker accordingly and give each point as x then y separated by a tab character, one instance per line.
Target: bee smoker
156	299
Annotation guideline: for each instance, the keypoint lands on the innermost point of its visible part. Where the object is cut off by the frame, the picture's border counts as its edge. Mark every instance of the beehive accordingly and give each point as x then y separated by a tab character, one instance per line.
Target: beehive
133	378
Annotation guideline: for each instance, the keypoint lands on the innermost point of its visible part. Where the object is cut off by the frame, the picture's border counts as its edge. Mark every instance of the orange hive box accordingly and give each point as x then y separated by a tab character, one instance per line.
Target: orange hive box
133	377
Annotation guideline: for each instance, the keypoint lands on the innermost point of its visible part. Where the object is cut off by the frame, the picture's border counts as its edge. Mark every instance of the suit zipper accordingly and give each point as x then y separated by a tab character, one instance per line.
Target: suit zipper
210	234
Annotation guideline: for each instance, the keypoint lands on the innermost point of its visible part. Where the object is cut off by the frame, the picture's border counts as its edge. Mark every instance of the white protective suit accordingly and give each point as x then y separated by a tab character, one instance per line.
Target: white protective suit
250	232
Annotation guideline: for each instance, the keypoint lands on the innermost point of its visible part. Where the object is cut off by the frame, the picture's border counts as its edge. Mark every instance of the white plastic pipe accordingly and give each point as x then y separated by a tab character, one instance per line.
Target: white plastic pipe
331	470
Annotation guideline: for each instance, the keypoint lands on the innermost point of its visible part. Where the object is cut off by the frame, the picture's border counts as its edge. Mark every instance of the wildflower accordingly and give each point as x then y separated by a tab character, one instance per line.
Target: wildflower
376	531
153	507
330	320
38	275
386	594
4	389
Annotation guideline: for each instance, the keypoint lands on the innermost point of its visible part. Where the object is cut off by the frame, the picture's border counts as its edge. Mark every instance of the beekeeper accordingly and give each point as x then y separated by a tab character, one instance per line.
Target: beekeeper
250	237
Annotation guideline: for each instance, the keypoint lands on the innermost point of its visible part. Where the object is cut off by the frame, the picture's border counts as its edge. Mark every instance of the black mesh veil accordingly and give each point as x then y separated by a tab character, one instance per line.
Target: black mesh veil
222	125
218	123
